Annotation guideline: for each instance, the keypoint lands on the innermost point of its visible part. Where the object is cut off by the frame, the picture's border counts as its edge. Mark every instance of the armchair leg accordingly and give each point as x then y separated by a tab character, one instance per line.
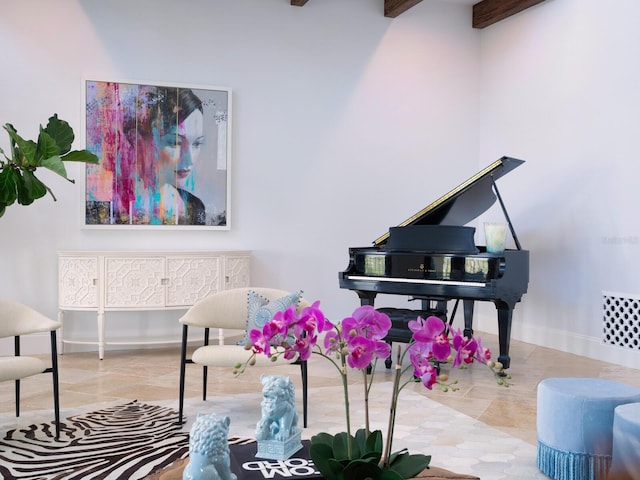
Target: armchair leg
205	369
16	349
183	362
56	389
17	382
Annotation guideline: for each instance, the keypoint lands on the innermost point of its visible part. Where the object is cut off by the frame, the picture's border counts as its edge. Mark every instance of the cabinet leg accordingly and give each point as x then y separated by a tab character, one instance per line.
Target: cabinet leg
100	335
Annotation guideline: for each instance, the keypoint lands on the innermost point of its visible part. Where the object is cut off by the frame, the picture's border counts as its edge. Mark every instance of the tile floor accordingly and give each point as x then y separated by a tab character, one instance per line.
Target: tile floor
151	375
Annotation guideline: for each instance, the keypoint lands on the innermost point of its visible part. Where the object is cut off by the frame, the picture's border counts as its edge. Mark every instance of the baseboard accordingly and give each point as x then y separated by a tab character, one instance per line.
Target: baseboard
583	345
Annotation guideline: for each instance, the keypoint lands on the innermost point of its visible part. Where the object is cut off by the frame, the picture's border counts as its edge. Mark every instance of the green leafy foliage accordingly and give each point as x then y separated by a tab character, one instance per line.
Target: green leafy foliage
331	458
18	181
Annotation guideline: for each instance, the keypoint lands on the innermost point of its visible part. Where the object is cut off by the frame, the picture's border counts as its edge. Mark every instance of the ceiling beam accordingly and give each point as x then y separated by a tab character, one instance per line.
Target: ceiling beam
298	3
393	8
488	12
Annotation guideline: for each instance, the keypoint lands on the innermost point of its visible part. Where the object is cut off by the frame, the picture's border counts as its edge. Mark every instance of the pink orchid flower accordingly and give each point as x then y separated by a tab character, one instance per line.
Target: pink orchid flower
430	334
261	343
465	348
367	321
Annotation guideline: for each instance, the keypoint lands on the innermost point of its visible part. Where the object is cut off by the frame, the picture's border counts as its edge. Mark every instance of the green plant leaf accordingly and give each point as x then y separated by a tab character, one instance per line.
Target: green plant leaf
55	165
391	475
83	156
408	466
31	188
61	132
341	449
46	148
11	129
365	470
9	178
374	442
322	437
3	208
322	456
23	151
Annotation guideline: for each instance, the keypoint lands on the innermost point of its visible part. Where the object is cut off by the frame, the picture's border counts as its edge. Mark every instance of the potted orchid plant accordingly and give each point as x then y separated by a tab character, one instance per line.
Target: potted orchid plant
355	344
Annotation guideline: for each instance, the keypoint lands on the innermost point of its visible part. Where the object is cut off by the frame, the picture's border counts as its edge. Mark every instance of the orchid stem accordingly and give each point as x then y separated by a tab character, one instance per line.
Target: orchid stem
366	401
346	405
392	413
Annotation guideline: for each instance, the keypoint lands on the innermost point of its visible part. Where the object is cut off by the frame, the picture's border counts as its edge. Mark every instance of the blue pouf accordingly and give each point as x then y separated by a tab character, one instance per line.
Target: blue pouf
625	455
575	424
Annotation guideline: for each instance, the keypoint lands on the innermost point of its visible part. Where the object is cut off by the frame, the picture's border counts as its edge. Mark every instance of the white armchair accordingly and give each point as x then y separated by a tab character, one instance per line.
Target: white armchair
16	320
228	310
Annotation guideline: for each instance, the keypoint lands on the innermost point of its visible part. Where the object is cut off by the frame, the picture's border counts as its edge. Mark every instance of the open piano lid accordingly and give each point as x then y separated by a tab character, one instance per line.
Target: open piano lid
464	203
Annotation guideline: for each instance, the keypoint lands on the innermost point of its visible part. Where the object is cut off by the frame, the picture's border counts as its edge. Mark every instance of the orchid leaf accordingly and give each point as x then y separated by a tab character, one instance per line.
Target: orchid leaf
322	437
341	447
408	466
374	442
364	469
322	456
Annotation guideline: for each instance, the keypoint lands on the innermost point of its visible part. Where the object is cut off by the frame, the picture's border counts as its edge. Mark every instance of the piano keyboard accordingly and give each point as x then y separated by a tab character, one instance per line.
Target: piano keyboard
417	280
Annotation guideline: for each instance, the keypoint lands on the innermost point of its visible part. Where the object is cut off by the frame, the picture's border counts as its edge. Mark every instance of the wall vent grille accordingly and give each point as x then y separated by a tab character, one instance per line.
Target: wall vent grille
621	319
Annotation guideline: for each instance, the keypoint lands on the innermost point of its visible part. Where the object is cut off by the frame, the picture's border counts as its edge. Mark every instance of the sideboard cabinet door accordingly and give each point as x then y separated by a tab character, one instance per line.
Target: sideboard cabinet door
134	282
78	282
236	271
192	278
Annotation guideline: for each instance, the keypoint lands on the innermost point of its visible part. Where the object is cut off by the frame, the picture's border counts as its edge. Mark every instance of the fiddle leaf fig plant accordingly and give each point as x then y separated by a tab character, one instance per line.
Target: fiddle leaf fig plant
18	181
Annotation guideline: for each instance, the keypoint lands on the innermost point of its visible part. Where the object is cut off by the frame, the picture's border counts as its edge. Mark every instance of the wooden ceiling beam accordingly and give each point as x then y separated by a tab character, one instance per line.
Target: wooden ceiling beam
393	8
298	3
488	12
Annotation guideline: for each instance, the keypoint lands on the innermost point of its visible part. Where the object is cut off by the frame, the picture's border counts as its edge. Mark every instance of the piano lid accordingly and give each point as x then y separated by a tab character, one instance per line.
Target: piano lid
464	203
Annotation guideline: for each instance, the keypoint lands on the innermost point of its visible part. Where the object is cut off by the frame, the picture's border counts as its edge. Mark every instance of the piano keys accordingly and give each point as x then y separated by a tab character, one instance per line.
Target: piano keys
432	258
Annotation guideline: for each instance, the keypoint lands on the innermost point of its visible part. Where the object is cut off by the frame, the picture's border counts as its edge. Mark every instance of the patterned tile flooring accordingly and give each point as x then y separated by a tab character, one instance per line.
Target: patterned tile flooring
481	428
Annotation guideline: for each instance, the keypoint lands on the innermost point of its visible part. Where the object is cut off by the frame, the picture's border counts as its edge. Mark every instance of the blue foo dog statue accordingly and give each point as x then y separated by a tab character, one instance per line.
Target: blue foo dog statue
277	431
209	449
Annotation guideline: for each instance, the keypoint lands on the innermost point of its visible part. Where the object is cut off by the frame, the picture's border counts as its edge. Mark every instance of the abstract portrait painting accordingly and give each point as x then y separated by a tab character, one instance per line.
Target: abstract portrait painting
164	155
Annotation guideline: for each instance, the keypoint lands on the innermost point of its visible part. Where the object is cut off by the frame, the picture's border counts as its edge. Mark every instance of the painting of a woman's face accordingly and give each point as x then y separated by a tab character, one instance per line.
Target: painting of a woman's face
179	149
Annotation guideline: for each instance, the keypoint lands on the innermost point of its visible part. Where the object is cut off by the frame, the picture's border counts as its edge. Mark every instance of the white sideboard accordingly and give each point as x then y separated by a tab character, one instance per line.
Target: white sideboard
126	281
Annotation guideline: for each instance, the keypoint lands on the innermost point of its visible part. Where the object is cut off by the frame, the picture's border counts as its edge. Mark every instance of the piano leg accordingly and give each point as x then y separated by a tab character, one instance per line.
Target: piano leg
366	298
505	313
468	318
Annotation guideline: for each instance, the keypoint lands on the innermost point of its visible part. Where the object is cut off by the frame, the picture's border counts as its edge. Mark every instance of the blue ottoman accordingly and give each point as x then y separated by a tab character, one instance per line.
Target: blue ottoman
575	424
625	455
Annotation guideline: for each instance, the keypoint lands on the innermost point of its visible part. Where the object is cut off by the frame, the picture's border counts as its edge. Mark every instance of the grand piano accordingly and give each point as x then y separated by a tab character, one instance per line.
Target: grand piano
432	258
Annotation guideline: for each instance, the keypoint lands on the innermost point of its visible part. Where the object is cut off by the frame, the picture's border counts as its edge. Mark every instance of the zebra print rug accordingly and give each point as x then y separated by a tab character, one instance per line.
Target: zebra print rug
128	441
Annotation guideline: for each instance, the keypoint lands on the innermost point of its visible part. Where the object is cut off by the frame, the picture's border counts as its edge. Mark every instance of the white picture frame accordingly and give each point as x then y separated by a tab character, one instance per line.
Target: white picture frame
165	155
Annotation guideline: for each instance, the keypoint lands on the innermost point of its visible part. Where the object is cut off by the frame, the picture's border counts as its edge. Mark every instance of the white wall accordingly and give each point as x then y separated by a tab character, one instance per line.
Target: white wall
346	123
559	88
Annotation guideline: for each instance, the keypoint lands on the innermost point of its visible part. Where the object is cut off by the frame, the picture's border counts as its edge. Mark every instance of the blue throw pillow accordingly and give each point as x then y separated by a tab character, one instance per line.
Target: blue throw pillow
260	310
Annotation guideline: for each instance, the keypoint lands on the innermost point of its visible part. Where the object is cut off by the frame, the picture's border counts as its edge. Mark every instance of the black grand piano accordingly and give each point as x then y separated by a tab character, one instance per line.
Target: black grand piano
432	258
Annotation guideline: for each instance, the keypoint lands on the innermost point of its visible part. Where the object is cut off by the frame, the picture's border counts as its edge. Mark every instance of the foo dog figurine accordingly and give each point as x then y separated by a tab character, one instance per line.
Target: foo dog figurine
209	449
279	416
277	431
